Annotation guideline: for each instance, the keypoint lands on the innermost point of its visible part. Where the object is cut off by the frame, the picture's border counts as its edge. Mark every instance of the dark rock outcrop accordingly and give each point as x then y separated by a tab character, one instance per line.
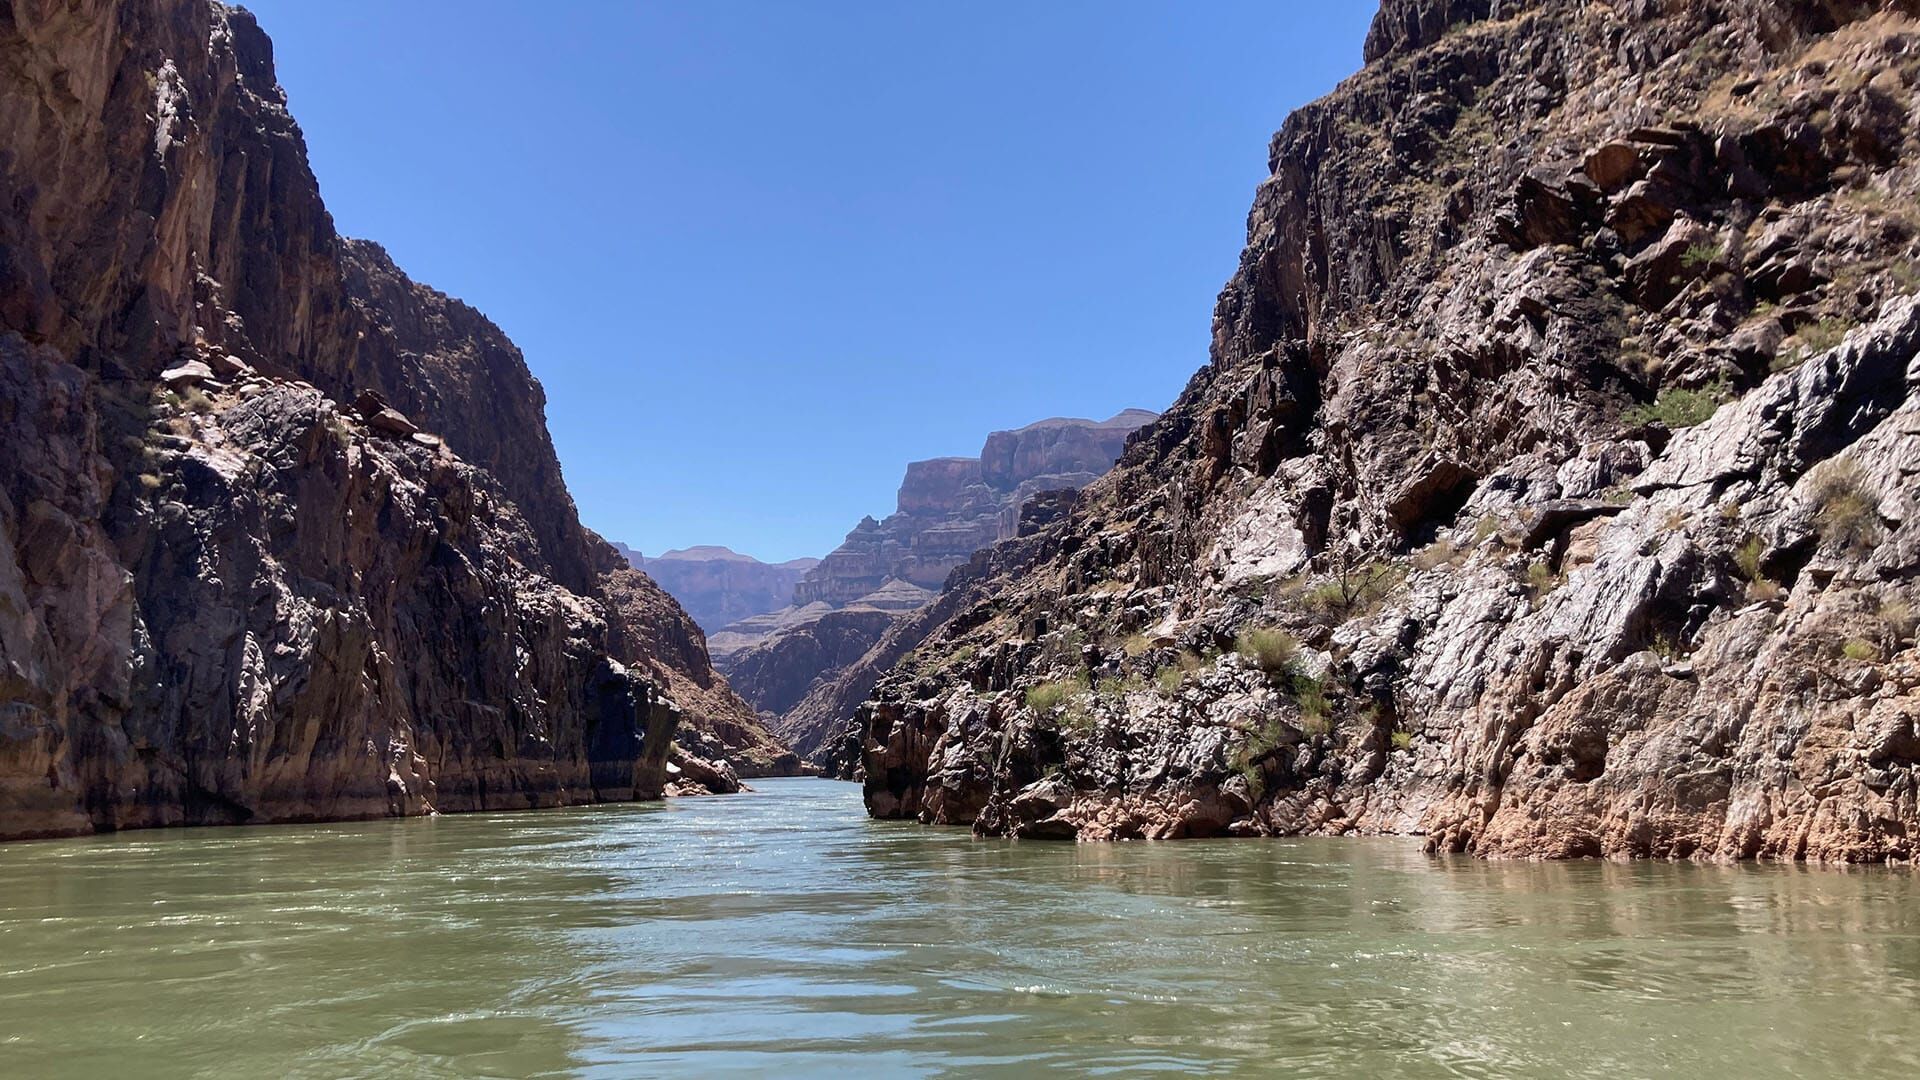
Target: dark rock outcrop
282	534
1548	490
774	676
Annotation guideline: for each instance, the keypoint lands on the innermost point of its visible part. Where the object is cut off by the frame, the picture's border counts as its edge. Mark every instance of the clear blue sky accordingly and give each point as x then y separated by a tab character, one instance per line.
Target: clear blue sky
764	254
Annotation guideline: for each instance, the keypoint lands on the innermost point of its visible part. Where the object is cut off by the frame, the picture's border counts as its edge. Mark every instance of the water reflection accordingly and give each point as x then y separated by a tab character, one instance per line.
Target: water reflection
784	932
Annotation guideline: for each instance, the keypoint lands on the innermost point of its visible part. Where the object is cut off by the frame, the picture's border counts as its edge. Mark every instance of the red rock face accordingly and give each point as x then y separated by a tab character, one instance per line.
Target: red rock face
226	593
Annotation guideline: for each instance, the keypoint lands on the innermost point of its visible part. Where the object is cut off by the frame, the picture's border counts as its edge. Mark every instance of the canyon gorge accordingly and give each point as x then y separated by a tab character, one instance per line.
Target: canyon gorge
800	655
1547	491
1530	546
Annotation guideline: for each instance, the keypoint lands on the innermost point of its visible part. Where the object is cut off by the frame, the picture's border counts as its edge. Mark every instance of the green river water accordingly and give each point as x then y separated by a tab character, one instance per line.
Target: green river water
782	933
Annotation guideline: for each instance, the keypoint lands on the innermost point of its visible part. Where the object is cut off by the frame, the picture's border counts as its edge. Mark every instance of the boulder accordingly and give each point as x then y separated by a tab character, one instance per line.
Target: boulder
186	373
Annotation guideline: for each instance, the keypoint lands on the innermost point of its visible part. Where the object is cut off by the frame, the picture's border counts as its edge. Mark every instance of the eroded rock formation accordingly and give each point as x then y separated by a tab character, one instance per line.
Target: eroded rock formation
1548	492
282	534
719	586
949	508
856	613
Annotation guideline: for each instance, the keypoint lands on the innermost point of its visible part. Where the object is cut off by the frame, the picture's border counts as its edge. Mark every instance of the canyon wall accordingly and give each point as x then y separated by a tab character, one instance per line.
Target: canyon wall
719	586
1548	490
809	664
282	534
949	508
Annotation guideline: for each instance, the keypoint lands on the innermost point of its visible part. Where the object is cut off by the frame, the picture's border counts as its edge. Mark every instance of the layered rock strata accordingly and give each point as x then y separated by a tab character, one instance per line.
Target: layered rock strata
810	664
719	586
949	508
1548	490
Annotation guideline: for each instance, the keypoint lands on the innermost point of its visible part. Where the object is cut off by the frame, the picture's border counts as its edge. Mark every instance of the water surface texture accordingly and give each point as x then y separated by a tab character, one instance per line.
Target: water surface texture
782	932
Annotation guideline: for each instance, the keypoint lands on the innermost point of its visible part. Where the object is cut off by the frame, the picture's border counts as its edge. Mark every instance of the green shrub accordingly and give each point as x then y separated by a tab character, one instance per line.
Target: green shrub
1272	651
1311	695
1747	558
1541	579
1136	645
1700	256
1066	647
1401	740
1439	553
1168	679
1677	407
1898	614
1354	590
1847	512
1048	696
1251	757
1859	649
1750	558
1077	716
1818	337
1667	646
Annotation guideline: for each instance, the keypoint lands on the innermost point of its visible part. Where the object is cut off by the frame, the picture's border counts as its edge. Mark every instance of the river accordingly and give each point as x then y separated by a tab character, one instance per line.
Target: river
782	932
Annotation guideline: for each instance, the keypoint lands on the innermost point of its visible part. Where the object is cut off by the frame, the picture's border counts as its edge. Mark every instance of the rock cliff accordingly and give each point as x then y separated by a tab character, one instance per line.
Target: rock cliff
1548	491
719	586
809	664
949	508
282	534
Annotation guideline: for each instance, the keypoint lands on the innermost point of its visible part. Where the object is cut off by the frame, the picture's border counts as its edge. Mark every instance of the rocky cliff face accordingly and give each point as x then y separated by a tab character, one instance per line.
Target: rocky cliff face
949	508
776	677
810	664
719	586
282	535
1548	491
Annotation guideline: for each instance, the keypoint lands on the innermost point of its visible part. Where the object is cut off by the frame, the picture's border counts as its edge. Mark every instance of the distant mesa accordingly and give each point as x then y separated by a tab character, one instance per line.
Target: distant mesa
718	585
777	642
948	508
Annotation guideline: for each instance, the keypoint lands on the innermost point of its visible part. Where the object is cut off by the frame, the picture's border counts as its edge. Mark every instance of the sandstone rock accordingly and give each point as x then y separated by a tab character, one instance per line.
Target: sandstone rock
776	674
1685	253
1613	166
948	508
391	422
227	366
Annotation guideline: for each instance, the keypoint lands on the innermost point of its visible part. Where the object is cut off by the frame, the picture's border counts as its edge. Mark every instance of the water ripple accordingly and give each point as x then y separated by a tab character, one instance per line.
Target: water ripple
783	932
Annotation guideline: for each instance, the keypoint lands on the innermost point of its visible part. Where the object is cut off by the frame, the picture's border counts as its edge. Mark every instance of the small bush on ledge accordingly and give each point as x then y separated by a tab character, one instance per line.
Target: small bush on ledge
1847	512
1272	651
1677	407
1049	696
